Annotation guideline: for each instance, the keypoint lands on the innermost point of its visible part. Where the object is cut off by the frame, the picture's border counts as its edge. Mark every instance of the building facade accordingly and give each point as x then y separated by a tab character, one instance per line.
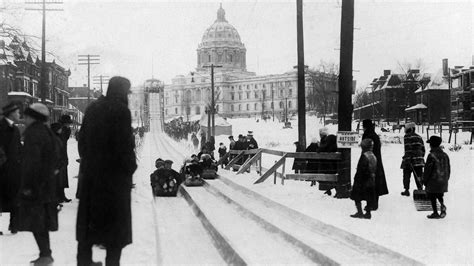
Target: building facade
20	75
462	94
237	92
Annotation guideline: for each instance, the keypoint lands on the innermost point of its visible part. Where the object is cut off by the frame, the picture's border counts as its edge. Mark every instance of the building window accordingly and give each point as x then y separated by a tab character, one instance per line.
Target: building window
232	96
256	94
176	110
240	107
232	107
281	93
290	91
198	110
289	104
248	107
256	106
198	95
166	111
248	95
264	94
281	105
240	96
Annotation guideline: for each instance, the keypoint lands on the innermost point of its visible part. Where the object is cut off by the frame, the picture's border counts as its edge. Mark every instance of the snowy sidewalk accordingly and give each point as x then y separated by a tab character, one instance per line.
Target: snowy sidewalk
21	248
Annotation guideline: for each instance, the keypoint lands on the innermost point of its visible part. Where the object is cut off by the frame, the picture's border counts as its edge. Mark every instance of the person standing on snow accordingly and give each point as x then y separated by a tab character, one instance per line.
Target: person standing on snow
436	176
380	181
37	195
413	160
106	147
364	180
65	121
10	161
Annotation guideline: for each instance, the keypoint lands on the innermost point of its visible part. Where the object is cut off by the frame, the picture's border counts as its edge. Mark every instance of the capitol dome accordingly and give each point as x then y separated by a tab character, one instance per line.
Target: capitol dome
221	45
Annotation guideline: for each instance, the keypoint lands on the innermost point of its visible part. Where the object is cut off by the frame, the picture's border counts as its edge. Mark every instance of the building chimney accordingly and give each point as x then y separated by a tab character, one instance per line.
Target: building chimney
386	72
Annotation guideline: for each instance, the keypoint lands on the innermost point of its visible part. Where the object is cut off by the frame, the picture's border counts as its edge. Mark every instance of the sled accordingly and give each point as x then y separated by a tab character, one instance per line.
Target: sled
420	198
194	182
209	174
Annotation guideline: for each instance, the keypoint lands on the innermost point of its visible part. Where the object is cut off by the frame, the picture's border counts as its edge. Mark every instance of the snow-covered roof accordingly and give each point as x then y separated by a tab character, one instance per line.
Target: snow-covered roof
19	93
367	105
416	107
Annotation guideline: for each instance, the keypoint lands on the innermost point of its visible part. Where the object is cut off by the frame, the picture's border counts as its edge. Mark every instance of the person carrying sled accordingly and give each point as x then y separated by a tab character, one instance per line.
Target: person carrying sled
436	176
364	180
413	160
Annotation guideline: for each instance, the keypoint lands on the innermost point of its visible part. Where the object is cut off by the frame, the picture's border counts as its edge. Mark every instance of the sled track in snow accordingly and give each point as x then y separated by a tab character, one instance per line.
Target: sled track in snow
248	228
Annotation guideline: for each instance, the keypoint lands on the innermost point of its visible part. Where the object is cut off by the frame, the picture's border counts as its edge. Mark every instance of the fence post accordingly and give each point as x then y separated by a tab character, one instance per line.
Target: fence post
283	172
274	176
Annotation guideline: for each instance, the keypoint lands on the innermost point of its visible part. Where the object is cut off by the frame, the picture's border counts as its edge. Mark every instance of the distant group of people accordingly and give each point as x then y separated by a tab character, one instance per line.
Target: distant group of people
179	129
242	143
33	175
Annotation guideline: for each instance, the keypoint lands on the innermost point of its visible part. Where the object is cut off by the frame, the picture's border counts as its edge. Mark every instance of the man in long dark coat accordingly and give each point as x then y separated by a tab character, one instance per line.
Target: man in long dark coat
10	147
106	147
37	196
64	136
380	181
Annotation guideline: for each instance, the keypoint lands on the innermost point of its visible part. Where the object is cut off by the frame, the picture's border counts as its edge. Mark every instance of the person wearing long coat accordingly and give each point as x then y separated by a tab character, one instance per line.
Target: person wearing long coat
380	180
436	176
37	195
364	180
64	136
10	146
106	147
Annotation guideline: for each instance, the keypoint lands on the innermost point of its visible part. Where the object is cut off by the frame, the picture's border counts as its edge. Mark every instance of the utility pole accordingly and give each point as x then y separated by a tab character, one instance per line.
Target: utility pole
345	93
43	71
99	80
88	59
212	130
301	75
273	104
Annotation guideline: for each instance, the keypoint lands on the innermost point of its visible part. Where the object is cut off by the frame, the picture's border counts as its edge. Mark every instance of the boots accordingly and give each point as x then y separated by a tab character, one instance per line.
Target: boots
359	213
43	261
443	211
434	215
367	215
406	193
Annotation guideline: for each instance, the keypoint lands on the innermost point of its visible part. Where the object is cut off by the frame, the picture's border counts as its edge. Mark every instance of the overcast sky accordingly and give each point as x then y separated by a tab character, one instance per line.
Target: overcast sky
130	35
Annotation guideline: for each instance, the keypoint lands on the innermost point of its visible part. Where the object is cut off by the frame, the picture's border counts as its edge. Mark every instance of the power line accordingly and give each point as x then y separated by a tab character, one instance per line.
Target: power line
88	60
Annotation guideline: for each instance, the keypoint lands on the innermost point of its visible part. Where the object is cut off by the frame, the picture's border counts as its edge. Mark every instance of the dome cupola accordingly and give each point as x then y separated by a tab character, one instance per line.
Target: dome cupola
221	45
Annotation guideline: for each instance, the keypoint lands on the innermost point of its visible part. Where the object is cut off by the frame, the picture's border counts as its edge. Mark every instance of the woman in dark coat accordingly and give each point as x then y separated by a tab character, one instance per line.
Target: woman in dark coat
298	164
10	147
37	195
380	181
106	147
364	180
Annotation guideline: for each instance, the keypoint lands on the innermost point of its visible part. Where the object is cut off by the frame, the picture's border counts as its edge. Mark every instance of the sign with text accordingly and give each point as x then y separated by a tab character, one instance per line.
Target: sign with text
347	139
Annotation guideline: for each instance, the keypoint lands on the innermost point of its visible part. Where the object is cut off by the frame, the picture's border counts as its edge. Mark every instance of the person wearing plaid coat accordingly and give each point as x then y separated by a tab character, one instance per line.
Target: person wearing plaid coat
413	160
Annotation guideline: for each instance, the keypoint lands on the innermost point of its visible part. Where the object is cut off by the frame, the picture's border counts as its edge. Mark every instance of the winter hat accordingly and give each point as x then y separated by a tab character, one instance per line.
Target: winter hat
38	111
435	141
65	119
9	108
323	131
250	133
367	123
231	137
367	144
168	162
119	87
410	125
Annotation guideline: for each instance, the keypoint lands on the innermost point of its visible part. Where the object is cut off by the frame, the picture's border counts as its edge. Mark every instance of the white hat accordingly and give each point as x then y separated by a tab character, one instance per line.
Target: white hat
323	131
38	111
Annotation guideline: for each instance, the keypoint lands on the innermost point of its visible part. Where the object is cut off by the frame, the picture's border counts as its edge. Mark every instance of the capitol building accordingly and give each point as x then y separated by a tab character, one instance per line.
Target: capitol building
237	92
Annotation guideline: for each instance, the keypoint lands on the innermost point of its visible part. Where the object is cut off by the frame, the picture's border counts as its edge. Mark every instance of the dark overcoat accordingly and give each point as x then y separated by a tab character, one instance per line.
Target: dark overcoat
380	180
10	170
364	179
299	164
437	171
63	175
37	195
106	147
327	144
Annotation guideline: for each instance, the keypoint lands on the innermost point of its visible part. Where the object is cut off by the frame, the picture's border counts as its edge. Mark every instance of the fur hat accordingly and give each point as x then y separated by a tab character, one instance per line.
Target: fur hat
367	123
38	111
410	125
250	133
323	131
9	108
434	141
65	119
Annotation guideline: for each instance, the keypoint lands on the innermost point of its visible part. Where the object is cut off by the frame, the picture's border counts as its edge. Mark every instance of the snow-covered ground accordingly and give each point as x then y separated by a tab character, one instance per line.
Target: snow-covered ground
396	225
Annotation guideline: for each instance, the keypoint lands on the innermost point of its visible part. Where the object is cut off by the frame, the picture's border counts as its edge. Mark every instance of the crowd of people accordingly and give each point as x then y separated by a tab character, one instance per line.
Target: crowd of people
179	129
33	174
33	171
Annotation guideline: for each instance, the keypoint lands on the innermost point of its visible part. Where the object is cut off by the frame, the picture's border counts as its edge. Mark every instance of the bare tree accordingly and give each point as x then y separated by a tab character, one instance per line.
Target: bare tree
362	97
323	94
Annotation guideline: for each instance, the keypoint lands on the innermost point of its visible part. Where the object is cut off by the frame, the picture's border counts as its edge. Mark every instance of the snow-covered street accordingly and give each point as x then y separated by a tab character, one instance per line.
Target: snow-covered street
166	231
